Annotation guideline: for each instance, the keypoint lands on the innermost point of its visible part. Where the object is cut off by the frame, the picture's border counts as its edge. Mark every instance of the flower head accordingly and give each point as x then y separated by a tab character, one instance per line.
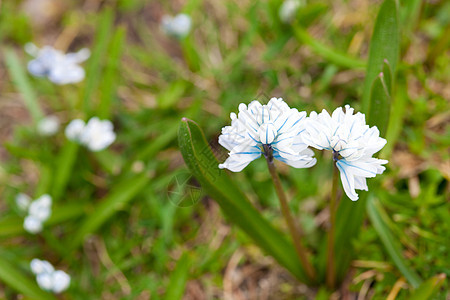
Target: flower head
178	26
38	210
58	67
258	127
48	126
96	134
47	278
353	143
288	9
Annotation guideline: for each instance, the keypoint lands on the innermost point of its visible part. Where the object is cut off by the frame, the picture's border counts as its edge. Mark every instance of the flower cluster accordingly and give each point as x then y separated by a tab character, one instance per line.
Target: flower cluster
48	126
178	26
96	134
58	67
48	278
38	211
284	133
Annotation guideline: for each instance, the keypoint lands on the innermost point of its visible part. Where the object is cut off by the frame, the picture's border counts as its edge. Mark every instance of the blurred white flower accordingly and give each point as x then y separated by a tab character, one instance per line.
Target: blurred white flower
48	126
23	201
96	134
274	126
39	211
58	67
47	278
353	143
288	10
178	26
74	130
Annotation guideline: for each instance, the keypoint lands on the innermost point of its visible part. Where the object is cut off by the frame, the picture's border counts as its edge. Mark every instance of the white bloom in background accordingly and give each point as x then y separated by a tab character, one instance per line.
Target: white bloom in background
74	129
288	10
275	126
23	201
48	126
39	211
178	26
47	278
58	67
353	143
96	134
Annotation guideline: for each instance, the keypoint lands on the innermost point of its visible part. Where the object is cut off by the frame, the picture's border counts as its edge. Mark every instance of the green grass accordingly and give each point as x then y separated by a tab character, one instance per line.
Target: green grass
114	227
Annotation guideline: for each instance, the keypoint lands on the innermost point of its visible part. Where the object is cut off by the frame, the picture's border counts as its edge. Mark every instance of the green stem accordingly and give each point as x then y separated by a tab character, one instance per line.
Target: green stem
293	229
331	271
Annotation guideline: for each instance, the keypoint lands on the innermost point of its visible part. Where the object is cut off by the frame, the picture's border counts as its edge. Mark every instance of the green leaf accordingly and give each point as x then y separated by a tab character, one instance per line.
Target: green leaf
109	84
178	279
328	53
172	94
234	204
10	275
22	83
93	68
122	193
428	288
380	104
377	215
384	45
65	162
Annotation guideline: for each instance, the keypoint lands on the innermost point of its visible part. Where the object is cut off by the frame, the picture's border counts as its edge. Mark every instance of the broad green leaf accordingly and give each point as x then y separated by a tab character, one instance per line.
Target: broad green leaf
20	79
329	54
377	215
108	86
121	194
384	45
380	104
235	205
94	66
11	276
428	288
178	279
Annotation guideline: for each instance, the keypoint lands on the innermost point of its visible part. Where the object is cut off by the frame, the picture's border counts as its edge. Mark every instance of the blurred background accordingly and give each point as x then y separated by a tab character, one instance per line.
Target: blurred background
122	218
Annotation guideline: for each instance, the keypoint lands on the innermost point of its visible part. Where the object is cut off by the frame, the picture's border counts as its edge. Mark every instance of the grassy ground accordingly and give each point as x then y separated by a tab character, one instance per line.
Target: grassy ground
115	227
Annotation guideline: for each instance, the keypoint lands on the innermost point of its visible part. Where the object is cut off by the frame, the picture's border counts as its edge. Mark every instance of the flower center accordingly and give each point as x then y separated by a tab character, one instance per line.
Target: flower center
337	143
267	133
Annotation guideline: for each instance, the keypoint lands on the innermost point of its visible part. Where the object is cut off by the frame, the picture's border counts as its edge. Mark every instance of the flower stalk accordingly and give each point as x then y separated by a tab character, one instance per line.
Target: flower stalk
331	266
293	229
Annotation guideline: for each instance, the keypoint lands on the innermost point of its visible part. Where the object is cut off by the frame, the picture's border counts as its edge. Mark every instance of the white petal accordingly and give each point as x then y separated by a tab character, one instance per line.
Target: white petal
74	129
40	266
36	68
359	168
48	126
360	183
61	281
32	224
41	208
23	201
240	157
45	281
348	181
65	74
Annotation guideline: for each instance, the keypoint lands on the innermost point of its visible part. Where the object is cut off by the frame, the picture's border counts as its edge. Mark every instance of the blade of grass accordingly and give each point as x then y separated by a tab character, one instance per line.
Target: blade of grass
93	69
178	279
380	104
384	45
328	53
428	288
235	205
122	193
376	215
65	163
10	275
22	83
110	77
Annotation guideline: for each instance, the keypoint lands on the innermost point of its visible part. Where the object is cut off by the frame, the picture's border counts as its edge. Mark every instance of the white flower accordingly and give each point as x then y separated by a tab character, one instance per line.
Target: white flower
274	125
47	278
58	67
353	143
288	10
38	212
178	26
74	129
96	134
48	126
23	201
